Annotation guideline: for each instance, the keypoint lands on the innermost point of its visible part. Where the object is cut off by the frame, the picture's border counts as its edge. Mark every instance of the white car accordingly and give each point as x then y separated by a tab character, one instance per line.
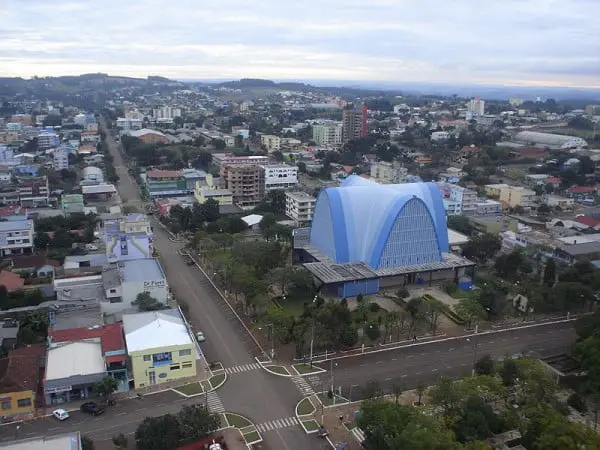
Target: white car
91	247
60	414
200	336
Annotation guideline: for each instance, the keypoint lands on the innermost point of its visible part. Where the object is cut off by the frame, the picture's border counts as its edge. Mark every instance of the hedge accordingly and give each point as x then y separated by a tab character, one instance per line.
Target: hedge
458	320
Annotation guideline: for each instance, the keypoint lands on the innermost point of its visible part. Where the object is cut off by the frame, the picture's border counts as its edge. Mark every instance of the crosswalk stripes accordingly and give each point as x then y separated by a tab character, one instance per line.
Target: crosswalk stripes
358	434
303	385
242	368
214	403
277	424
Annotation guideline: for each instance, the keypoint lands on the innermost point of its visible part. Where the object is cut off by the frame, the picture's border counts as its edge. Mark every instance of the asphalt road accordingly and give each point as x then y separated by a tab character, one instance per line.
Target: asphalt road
453	357
256	394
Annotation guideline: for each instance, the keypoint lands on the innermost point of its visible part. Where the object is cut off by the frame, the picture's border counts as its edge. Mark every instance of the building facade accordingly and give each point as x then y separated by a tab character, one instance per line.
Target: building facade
160	347
388	173
207	189
165	183
244	183
16	237
299	206
225	159
515	196
47	140
61	158
278	176
270	142
354	123
476	106
327	134
466	198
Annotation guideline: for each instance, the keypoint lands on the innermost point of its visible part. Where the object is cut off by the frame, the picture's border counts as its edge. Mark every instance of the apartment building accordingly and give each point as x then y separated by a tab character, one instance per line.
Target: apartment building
227	159
165	183
327	134
515	196
489	208
16	237
299	206
354	124
207	189
270	142
278	176
47	140
466	198
61	158
476	106
244	183
493	190
33	191
388	173
129	124
166	112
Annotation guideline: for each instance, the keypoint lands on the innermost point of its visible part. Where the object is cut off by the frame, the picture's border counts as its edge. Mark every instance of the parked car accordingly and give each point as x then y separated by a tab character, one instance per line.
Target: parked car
91	247
200	336
60	414
92	408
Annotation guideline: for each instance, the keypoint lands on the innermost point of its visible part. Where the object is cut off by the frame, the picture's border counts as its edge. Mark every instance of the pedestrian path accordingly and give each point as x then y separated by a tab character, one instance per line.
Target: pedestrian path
272	425
242	368
214	403
302	384
358	434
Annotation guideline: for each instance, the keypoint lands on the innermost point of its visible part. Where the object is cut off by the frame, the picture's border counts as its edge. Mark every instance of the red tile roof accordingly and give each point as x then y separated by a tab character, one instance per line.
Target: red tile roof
6	211
11	281
589	221
34	261
553	180
20	371
164	174
581	189
110	335
115	358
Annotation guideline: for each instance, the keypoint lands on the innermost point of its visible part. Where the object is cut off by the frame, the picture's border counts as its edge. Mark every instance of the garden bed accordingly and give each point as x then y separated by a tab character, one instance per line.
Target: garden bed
190	389
310	425
281	370
217	380
306	368
305	407
237	421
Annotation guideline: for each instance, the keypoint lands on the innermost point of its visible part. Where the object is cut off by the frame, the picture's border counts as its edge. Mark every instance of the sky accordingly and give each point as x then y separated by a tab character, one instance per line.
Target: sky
506	42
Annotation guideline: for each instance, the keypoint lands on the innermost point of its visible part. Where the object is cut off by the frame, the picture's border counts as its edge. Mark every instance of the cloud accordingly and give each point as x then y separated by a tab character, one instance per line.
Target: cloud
537	42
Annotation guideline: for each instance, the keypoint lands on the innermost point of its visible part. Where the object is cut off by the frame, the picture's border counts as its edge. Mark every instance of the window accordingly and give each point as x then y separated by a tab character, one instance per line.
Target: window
187	352
146	357
22	403
175	367
113	291
186	365
6	404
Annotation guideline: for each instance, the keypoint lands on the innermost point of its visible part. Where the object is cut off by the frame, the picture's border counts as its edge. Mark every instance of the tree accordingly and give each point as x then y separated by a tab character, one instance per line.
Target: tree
550	272
397	390
120	441
372	390
485	365
145	302
219	144
469	309
197	422
61	239
461	224
390	426
41	241
509	372
106	386
447	395
402	292
87	443
482	247
267	221
420	389
476	420
158	433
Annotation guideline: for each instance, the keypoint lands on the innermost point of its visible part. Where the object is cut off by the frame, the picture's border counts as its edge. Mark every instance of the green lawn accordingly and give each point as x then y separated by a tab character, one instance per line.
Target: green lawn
190	389
278	369
329	401
306	368
305	407
237	421
217	380
253	436
311	425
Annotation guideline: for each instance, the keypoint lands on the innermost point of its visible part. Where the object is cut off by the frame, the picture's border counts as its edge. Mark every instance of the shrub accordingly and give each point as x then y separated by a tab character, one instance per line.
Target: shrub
577	402
374	307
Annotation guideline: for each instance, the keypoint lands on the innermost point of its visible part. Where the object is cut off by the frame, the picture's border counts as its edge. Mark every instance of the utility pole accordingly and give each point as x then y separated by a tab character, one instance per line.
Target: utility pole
312	332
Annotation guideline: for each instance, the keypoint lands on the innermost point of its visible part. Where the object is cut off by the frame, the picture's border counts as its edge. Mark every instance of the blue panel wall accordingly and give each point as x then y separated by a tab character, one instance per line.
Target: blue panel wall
322	229
353	288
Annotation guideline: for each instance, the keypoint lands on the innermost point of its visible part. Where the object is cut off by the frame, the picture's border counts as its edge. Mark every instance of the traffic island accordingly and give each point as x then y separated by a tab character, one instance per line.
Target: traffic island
190	389
307	369
305	407
248	430
310	426
197	388
335	399
275	369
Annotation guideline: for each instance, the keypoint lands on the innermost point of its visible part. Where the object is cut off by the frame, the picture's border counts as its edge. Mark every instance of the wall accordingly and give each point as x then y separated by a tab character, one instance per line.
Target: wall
129	292
141	368
14	398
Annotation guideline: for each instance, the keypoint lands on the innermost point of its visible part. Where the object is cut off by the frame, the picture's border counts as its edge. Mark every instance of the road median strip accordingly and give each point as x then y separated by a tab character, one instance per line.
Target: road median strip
307	369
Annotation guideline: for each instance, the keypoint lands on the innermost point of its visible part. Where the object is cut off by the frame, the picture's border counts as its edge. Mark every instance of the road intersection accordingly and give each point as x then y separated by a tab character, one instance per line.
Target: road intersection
268	399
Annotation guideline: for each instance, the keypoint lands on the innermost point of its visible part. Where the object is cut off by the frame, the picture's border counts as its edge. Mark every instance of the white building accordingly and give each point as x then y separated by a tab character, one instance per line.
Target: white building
299	206
327	134
47	140
61	158
127	279
279	176
466	198
440	136
388	173
16	237
488	208
166	112
553	201
272	143
476	106
92	174
227	159
553	141
129	124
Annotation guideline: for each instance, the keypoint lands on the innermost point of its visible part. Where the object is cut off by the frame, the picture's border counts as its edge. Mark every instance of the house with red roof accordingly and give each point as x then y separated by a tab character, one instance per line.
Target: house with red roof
11	281
20	380
581	193
112	343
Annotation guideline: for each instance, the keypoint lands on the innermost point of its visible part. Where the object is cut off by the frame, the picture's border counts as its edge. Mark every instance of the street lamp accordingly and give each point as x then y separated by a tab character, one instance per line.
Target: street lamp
312	332
331	366
272	332
474	354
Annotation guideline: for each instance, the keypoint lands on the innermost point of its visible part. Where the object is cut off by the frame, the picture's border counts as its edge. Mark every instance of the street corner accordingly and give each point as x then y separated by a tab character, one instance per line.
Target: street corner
201	387
303	369
280	370
245	426
305	413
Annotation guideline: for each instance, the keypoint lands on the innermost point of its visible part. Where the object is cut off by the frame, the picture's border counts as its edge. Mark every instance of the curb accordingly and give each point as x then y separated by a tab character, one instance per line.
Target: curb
266	368
306	374
454	338
302	417
200	382
252	425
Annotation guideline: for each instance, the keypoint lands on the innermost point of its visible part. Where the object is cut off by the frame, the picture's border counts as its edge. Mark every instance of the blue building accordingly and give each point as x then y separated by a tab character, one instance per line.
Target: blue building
366	235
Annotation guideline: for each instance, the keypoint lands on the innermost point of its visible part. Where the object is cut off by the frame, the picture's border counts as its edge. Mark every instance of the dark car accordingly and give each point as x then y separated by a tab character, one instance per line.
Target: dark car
92	408
190	262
